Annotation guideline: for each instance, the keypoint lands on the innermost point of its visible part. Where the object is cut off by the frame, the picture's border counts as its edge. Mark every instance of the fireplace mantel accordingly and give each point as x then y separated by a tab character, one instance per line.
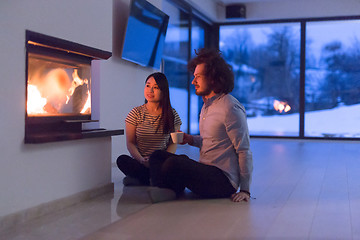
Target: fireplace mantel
46	137
41	40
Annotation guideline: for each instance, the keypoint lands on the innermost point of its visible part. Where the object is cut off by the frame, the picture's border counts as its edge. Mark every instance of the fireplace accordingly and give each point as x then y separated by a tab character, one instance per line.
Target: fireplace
58	88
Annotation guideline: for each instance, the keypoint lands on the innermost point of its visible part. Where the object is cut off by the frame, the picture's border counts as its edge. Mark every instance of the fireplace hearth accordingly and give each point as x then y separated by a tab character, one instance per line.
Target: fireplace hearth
58	89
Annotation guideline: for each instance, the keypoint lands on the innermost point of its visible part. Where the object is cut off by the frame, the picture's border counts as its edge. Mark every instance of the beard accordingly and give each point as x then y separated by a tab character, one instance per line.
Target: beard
203	92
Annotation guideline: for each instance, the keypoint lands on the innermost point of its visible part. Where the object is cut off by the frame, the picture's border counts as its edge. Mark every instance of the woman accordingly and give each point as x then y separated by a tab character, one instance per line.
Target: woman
148	128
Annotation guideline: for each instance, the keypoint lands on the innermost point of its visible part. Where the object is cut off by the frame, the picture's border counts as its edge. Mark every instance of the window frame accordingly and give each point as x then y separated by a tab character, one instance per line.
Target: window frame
303	22
212	40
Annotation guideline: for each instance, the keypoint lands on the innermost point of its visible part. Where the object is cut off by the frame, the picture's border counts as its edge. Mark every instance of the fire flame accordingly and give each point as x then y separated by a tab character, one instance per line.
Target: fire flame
54	93
281	106
87	105
35	103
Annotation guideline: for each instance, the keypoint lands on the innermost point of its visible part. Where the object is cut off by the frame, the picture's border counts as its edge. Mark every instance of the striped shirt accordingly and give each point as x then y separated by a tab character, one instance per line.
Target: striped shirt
148	138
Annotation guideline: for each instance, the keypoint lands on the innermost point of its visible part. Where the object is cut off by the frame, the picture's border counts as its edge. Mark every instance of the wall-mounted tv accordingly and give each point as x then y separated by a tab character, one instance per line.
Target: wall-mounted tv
145	34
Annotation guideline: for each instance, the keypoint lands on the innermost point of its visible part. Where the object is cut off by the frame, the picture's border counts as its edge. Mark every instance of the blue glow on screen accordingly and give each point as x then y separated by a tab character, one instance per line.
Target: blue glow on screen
145	34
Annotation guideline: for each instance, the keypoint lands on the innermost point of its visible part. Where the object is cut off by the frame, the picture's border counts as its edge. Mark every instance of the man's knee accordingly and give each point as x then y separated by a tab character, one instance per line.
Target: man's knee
172	165
158	154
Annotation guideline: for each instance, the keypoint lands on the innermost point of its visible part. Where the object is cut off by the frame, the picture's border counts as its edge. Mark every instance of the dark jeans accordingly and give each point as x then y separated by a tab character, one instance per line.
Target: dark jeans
178	172
132	168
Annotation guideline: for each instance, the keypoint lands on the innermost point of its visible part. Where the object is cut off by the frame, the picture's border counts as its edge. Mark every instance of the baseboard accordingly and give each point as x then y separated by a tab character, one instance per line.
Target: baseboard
21	217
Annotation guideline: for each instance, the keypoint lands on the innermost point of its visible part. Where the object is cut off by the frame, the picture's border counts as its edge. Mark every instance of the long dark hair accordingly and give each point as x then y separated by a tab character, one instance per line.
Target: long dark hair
217	70
167	115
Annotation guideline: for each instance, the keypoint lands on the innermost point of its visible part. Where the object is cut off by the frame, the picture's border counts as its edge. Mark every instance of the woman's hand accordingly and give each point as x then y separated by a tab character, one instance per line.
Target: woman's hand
145	161
240	196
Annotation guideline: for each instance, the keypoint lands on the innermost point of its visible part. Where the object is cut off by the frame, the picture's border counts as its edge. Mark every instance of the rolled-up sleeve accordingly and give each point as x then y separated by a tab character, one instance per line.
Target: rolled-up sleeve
197	141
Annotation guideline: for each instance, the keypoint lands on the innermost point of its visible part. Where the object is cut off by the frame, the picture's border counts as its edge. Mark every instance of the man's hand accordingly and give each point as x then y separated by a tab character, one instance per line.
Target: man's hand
240	196
188	139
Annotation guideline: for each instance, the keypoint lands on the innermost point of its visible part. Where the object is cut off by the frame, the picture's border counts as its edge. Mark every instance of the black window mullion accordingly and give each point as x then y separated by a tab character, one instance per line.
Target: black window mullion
188	75
302	80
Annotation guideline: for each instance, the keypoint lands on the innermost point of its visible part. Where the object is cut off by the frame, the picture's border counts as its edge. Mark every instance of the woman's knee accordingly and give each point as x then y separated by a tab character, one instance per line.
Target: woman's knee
122	160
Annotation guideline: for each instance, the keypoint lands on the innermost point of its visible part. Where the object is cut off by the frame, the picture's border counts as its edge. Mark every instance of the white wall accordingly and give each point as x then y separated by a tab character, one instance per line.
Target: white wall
122	82
34	174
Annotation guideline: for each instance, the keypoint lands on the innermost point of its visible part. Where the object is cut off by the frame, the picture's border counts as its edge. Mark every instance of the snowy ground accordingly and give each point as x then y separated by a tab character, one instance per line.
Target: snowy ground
343	121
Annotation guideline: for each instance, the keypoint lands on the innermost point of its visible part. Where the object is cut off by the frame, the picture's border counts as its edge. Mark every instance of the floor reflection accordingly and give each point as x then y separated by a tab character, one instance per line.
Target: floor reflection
131	200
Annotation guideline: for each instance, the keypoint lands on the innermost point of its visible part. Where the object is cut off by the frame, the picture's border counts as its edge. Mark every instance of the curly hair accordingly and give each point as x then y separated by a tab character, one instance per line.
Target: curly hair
218	72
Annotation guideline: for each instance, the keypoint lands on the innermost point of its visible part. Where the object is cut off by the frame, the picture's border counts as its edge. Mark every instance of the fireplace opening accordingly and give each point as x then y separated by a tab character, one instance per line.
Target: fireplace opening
58	87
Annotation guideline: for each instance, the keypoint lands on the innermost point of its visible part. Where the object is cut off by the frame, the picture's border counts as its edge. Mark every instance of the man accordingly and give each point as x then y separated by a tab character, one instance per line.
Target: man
225	164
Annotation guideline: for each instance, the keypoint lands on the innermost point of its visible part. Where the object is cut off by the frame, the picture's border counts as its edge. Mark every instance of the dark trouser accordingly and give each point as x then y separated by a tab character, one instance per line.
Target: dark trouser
178	172
132	168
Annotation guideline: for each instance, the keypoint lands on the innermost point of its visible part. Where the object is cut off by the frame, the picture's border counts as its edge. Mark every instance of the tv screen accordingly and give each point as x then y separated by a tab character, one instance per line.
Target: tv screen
145	34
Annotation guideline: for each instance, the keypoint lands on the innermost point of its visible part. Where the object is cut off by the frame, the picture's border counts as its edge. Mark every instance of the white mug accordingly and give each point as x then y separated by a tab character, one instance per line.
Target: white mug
177	137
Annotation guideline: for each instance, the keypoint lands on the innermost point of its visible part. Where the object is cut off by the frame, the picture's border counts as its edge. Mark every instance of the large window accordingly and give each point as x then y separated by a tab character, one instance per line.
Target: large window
198	35
266	62
332	88
185	33
175	56
298	78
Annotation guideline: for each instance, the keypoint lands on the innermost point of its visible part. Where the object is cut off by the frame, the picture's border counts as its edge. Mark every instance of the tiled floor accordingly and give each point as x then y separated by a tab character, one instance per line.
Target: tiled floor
303	190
